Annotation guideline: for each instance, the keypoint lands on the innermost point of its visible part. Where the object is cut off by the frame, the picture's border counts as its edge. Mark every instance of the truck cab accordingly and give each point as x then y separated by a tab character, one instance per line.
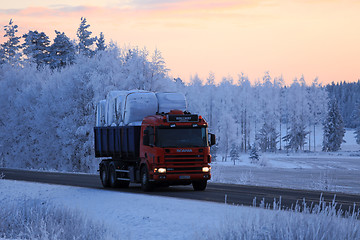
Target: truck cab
175	149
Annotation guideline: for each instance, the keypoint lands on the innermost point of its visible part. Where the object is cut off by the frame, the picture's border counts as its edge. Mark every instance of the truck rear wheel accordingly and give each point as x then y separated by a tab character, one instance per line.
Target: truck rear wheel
113	181
104	176
199	185
145	184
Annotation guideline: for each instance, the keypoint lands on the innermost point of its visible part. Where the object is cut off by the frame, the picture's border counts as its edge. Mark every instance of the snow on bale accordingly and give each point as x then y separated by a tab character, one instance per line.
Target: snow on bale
100	113
122	108
168	101
139	105
113	111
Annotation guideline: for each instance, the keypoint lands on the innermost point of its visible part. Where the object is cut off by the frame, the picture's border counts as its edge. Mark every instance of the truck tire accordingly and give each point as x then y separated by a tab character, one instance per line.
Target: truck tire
145	184
104	176
113	181
199	185
112	176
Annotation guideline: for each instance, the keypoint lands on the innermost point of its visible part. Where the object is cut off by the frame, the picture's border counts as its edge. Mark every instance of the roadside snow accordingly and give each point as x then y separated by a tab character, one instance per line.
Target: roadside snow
328	171
140	216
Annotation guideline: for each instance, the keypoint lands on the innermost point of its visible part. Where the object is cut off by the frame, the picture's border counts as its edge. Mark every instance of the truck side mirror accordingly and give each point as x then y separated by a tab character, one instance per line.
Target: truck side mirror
212	139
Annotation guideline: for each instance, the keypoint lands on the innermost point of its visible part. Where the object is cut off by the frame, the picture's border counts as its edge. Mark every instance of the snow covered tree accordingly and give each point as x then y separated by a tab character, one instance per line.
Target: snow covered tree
357	135
297	113
296	137
234	152
62	51
36	47
356	121
10	48
100	43
317	102
267	138
333	129
85	39
254	154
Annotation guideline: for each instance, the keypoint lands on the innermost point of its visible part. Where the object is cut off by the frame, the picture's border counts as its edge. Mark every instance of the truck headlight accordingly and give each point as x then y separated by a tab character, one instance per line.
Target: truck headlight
162	170
206	169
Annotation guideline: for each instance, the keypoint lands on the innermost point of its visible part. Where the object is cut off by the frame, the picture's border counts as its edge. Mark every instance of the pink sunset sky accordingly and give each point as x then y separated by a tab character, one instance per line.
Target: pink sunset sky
318	38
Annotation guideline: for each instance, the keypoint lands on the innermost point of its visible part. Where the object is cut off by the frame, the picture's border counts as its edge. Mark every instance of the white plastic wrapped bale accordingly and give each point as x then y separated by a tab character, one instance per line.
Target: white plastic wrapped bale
139	105
113	111
100	113
170	101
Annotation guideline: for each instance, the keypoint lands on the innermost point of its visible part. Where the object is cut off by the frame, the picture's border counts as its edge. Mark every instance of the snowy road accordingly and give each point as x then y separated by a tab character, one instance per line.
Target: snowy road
236	194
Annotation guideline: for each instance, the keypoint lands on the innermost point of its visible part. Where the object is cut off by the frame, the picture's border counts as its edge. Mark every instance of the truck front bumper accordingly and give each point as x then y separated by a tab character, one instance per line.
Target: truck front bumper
181	177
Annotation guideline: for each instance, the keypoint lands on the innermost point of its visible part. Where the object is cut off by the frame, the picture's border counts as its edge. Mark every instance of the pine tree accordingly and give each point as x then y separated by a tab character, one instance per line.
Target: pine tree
36	47
333	129
100	43
62	51
85	39
10	48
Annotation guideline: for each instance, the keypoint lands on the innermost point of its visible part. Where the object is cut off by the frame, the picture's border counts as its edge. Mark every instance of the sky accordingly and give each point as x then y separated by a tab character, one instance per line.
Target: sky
289	38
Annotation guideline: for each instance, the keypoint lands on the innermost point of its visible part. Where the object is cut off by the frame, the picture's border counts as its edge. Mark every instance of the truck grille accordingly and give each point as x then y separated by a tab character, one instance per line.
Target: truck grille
184	164
184	170
184	159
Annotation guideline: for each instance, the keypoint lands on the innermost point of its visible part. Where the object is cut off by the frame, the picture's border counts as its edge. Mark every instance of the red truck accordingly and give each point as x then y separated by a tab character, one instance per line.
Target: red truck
167	148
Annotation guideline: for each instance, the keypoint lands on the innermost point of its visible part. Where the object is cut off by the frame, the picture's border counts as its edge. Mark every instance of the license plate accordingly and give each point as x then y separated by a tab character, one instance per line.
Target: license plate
184	177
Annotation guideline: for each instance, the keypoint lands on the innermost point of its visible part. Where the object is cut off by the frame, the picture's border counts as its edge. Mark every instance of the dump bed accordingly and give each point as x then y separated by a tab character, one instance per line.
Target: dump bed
116	142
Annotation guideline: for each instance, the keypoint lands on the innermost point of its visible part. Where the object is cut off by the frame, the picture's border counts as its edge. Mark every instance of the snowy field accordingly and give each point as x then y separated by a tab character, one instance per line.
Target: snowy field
43	211
336	171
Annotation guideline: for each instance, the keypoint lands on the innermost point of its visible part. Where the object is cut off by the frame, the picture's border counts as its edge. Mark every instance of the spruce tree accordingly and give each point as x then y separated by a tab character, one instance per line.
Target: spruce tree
234	152
357	135
356	120
254	155
267	138
296	137
333	129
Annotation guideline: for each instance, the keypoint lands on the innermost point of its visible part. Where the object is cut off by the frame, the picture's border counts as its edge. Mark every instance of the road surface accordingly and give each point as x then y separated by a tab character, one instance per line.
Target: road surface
215	192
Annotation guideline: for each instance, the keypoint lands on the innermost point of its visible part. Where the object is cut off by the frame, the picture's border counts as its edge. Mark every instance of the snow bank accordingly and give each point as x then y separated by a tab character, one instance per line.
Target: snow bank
140	216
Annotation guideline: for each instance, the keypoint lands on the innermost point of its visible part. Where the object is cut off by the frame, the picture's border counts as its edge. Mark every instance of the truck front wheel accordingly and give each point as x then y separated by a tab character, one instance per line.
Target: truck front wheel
145	184
199	185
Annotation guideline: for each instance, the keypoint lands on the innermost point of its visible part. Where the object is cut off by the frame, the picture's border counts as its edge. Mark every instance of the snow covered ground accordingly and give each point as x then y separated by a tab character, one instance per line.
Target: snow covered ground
337	171
136	216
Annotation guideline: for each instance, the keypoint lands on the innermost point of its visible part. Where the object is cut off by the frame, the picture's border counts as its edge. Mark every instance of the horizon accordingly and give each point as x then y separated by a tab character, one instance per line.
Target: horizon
316	39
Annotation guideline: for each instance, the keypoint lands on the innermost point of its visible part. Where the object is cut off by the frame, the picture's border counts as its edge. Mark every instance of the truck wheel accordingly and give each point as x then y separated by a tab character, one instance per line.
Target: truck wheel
145	184
104	176
112	176
199	185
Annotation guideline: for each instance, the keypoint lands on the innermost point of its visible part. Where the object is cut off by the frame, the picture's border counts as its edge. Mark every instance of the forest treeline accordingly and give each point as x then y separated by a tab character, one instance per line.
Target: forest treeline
49	91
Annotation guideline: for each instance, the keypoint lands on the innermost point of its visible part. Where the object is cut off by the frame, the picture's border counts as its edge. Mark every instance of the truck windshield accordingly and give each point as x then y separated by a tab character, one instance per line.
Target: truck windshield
181	137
